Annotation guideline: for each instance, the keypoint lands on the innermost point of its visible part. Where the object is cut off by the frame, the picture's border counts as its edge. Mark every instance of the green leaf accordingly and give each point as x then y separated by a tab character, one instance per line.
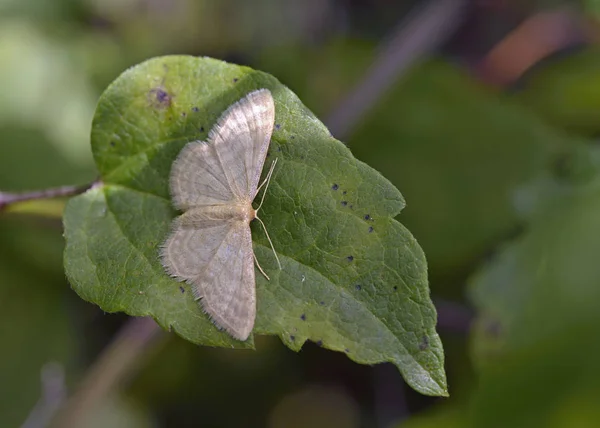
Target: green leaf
592	7
538	314
551	269
566	91
353	280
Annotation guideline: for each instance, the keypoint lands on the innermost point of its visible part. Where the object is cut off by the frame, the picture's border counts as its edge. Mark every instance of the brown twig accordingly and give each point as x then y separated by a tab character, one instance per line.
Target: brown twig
7	198
422	32
115	365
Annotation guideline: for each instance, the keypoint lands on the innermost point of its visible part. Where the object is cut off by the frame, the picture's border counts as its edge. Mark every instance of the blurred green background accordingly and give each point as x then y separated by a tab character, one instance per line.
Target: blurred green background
490	136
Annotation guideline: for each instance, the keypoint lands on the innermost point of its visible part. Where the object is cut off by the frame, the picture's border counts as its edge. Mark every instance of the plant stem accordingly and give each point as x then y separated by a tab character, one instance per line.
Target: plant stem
418	35
116	364
7	198
54	392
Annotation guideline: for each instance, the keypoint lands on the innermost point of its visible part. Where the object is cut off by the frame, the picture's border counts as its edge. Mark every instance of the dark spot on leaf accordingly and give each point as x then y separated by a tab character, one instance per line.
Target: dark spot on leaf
277	126
346	350
344	192
358	287
278	148
292	137
319	343
350	258
160	98
183	114
195	109
321	303
202	129
367	217
292	337
235	79
351	207
182	289
424	343
303	317
395	288
371	229
112	143
335	187
344	203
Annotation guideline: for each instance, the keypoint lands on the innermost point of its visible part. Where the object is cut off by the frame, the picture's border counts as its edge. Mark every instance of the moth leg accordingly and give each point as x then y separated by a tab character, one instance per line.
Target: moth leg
259	268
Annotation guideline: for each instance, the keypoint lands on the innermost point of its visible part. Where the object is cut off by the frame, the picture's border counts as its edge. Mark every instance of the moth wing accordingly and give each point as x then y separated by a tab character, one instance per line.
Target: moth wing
241	138
191	245
198	178
216	258
227	286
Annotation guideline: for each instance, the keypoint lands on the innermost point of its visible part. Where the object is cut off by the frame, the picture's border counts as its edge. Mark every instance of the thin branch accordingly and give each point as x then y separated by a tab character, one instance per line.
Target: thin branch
7	198
116	364
54	391
418	35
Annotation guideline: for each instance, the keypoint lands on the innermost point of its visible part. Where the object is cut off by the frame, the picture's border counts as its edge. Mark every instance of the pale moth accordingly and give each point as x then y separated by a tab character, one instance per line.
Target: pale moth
214	183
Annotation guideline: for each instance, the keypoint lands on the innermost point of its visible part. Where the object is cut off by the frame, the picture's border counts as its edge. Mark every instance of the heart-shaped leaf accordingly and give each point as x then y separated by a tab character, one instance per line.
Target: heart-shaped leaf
353	279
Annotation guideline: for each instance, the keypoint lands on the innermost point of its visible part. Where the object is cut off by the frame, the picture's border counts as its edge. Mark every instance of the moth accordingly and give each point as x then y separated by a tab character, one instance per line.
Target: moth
214	183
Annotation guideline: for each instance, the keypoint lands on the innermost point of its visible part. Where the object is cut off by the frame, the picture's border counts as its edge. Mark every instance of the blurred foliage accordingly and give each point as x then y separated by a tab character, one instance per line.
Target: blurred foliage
538	302
119	412
501	190
42	143
592	7
566	91
44	90
316	406
35	325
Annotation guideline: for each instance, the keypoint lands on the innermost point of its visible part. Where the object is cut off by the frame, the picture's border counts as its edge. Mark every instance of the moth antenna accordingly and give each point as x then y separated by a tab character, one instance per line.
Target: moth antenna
266	181
259	268
270	242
